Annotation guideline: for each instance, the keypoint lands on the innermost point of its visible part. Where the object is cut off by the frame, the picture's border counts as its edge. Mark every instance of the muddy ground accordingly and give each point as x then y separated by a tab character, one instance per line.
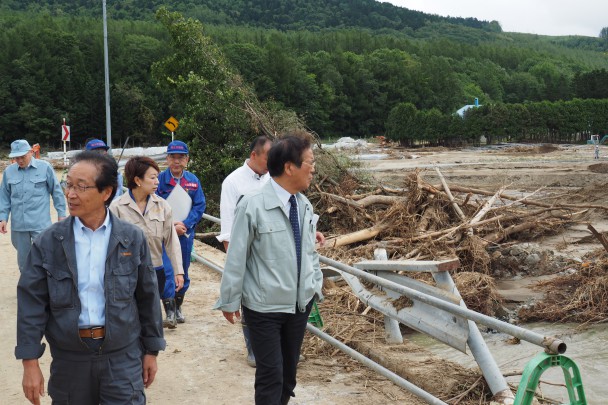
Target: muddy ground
205	359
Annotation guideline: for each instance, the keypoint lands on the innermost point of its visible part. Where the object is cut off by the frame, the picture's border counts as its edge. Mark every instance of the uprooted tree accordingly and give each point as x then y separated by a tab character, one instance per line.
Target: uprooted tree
219	114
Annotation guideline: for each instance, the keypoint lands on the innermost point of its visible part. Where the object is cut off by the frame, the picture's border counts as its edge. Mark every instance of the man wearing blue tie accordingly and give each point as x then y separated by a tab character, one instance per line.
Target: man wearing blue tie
272	268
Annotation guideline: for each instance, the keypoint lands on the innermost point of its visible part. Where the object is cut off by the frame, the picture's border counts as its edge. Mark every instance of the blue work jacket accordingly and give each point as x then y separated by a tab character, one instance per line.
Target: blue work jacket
24	196
192	185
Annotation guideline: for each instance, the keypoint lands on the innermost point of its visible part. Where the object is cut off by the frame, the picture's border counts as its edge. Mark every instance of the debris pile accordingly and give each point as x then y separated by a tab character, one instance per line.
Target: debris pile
422	221
578	294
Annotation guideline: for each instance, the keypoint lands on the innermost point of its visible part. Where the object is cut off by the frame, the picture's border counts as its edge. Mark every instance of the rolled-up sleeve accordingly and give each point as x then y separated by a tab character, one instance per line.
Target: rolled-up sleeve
228	200
5	199
171	241
56	192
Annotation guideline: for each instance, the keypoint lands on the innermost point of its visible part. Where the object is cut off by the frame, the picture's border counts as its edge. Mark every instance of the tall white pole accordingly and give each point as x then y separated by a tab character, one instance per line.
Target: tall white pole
107	79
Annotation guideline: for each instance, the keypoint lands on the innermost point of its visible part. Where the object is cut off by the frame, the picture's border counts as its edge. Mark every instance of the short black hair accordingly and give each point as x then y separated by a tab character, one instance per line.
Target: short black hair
258	144
289	148
137	166
107	170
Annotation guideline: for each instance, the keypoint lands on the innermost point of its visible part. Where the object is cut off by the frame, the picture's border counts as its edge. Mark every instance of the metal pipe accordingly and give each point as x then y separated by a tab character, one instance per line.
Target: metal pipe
403	383
211	218
396	379
477	344
106	71
207	263
552	344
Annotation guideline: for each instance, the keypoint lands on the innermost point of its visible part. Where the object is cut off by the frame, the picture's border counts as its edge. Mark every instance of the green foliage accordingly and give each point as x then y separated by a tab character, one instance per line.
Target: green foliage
340	66
211	101
310	15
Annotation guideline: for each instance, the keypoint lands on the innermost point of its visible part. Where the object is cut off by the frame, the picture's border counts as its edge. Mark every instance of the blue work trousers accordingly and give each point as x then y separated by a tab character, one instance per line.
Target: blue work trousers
186	243
22	241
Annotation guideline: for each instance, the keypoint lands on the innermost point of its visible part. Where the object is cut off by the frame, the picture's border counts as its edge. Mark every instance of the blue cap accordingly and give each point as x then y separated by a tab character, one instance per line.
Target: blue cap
177	147
19	148
96	144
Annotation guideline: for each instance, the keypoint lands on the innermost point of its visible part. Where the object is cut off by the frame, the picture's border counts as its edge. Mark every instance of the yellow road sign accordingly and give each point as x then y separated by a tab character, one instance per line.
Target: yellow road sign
171	124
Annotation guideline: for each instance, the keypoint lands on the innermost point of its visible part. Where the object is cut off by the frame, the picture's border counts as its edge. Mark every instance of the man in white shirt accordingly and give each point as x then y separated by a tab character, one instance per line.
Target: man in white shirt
247	178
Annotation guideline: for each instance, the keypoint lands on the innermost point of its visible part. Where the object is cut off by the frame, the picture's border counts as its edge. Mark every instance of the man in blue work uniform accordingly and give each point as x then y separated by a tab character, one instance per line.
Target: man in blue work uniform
176	173
100	146
24	194
90	289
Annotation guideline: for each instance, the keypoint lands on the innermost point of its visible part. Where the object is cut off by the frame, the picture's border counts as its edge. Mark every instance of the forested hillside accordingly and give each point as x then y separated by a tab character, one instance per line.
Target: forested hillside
310	15
345	67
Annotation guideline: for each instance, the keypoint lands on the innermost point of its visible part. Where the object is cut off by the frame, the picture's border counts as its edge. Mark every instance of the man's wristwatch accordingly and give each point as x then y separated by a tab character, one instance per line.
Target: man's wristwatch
151	352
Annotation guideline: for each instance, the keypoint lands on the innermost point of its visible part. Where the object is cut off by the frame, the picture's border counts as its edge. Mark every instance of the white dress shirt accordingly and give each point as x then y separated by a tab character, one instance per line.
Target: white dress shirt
284	197
238	183
91	252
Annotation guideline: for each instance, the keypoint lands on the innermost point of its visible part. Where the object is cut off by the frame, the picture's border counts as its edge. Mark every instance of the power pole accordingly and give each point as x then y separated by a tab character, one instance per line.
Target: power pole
107	79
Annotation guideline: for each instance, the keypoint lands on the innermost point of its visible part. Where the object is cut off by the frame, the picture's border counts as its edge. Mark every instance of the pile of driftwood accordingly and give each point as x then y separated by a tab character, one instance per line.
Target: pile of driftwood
579	294
433	221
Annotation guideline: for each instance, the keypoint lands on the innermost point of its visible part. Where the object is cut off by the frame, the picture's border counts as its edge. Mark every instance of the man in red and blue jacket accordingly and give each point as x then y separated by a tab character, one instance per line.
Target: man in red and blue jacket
176	173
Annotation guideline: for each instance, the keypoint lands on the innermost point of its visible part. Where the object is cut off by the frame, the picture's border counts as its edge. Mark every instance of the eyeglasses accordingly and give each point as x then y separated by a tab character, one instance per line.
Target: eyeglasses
177	156
313	163
76	187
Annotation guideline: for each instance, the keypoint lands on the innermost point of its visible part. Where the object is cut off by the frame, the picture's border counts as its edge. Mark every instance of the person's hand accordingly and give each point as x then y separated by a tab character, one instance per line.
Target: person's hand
2	226
230	316
33	381
180	228
150	368
179	282
320	238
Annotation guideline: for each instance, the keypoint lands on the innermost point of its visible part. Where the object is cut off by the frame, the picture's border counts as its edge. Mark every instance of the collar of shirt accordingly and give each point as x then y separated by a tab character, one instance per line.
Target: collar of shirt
32	165
80	227
147	201
251	173
283	196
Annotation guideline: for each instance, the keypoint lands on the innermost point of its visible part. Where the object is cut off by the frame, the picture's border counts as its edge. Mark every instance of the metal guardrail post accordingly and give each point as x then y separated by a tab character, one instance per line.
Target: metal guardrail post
391	326
496	381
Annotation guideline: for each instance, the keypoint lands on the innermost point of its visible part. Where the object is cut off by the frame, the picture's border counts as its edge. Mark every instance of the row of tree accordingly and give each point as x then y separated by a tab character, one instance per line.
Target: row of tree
551	122
311	15
340	82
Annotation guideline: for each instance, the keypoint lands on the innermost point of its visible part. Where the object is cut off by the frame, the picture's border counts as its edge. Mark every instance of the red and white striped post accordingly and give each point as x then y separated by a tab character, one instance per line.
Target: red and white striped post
65	137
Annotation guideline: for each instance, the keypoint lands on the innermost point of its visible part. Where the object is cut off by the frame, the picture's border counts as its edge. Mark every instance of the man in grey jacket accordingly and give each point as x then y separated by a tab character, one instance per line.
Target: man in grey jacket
89	287
272	267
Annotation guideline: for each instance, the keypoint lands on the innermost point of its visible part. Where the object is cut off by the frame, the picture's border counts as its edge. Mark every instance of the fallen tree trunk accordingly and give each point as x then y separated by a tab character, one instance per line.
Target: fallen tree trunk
522	200
366	201
354	237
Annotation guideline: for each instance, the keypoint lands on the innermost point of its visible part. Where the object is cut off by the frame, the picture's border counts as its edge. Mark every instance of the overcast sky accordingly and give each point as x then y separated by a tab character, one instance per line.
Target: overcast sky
546	17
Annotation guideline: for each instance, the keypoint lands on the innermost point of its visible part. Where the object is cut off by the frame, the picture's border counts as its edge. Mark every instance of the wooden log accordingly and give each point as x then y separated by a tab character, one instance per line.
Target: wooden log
354	237
599	236
366	201
433	189
450	196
